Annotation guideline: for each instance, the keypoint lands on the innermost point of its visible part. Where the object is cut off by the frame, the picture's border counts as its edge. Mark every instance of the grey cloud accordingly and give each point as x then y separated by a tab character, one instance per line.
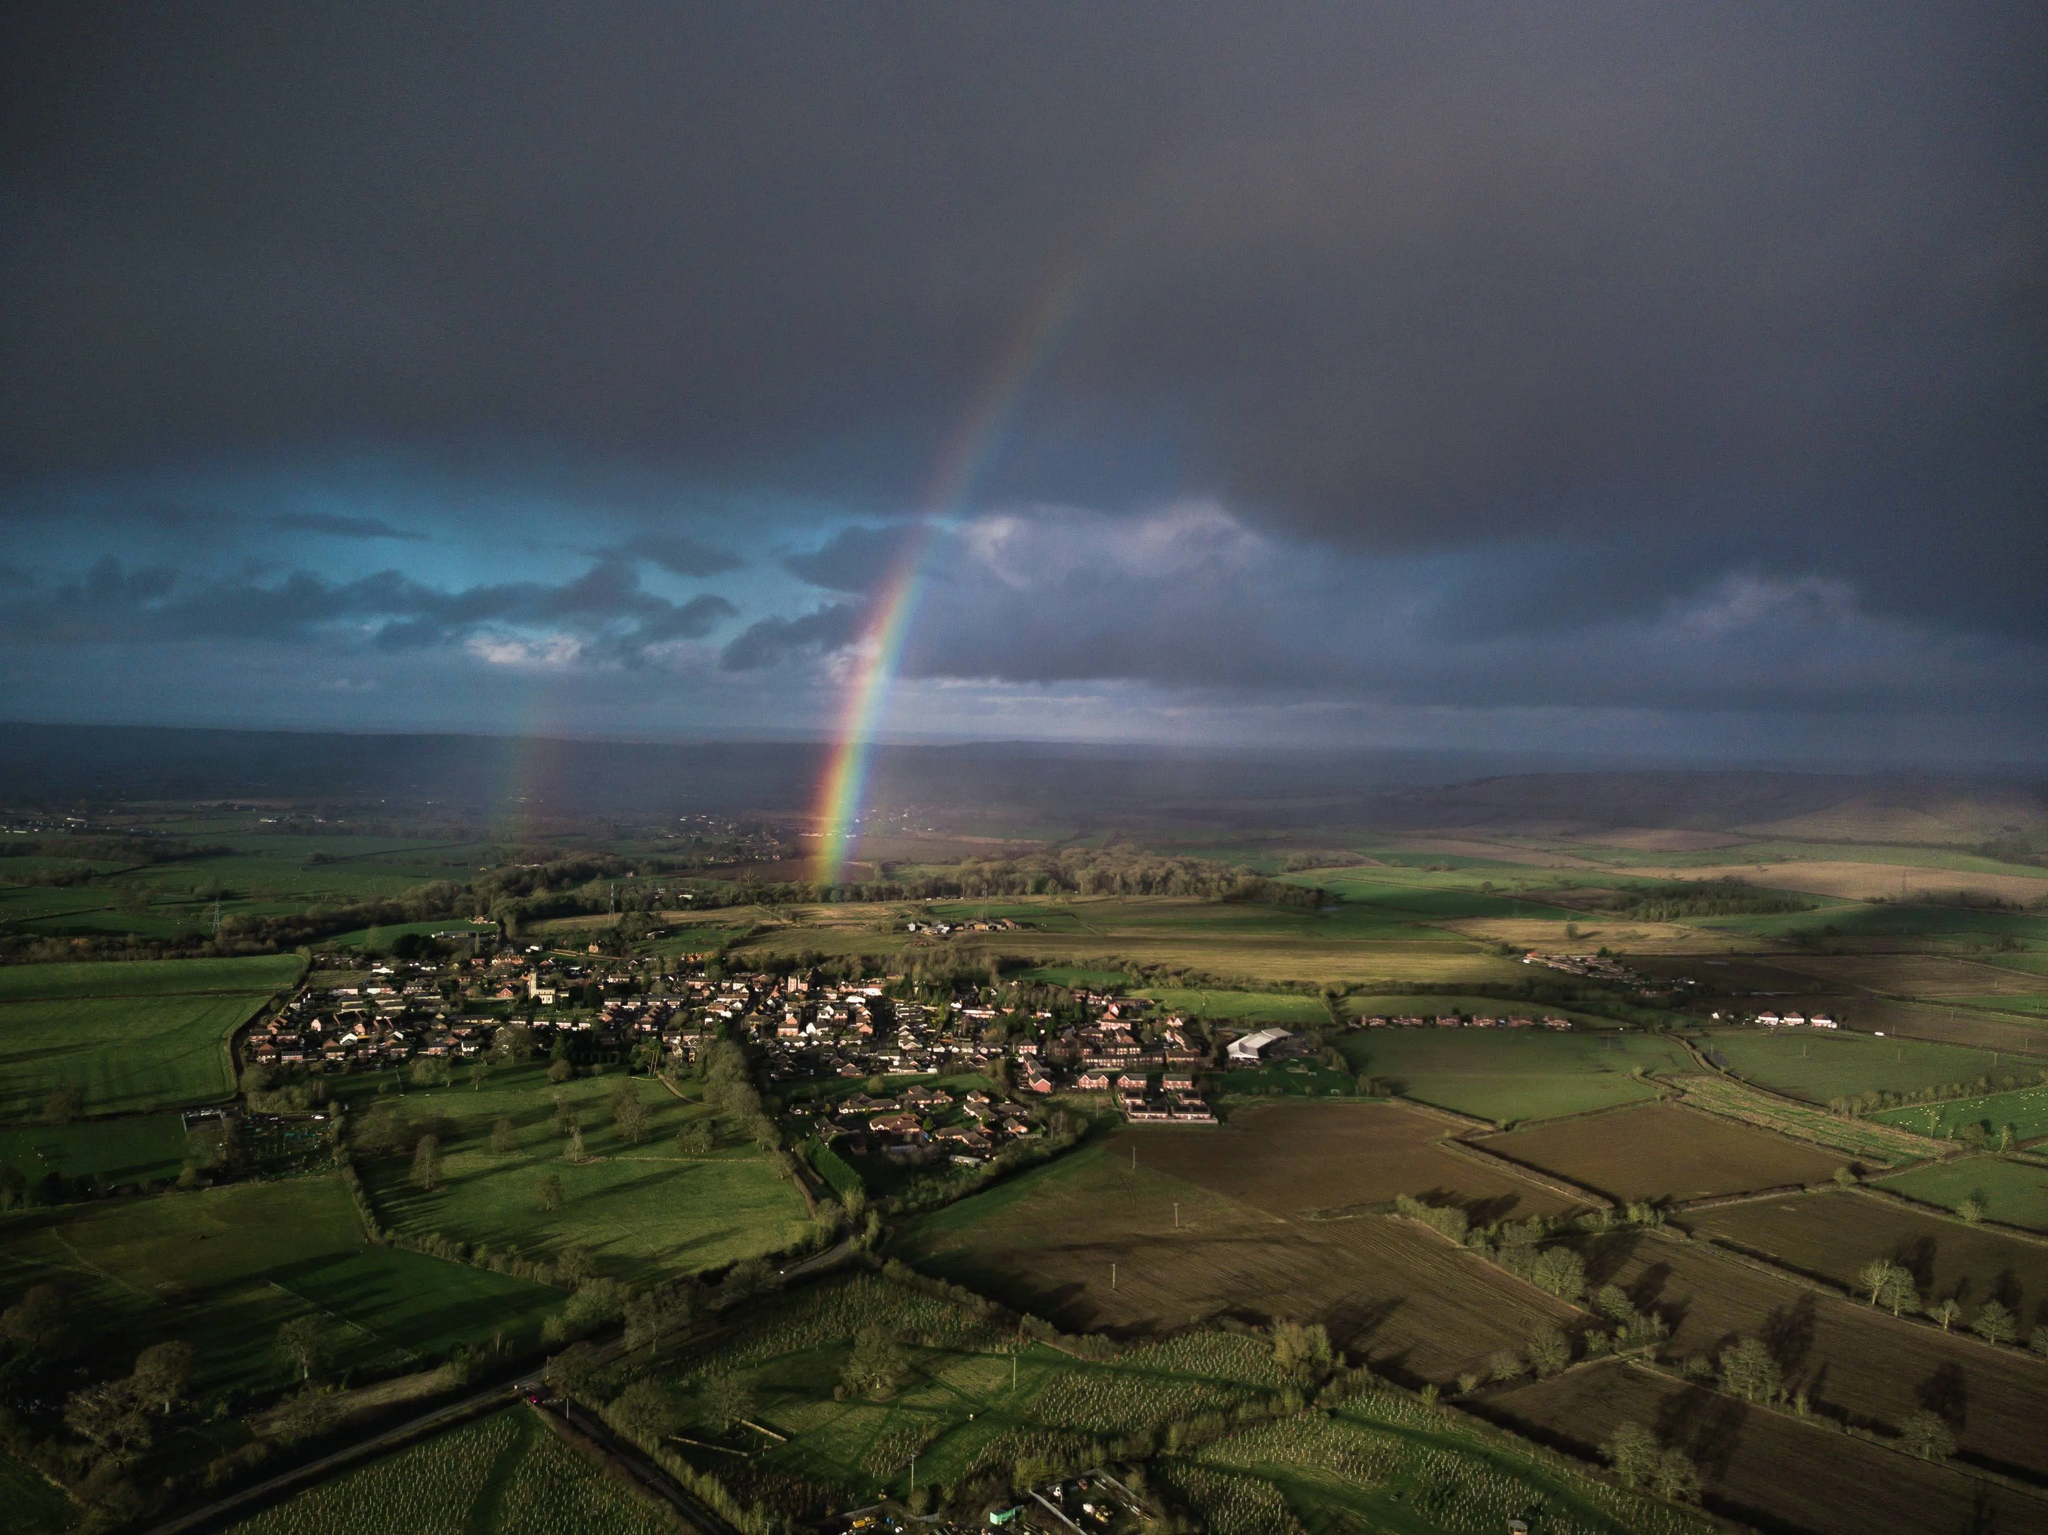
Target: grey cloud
1191	599
342	527
682	555
113	603
856	559
1383	276
774	640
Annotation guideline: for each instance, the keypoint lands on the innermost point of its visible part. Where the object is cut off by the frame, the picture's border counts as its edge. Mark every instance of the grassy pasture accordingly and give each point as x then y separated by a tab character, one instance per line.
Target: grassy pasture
1820	1066
1077	975
1232	940
505	1475
224	1268
2015	1193
1511	1074
140	1148
1388	1291
1294	1079
1850	1357
1832	1235
121	1053
150	978
2025	1110
381	938
1656	1151
639	1209
2030	1006
1780	1472
1264	1006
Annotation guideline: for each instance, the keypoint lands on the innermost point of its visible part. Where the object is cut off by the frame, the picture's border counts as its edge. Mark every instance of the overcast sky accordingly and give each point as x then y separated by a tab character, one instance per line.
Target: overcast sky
1611	378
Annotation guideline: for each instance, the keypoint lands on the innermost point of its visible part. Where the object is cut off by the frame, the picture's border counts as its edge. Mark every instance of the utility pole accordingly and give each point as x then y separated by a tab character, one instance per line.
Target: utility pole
1112	1276
1176	1215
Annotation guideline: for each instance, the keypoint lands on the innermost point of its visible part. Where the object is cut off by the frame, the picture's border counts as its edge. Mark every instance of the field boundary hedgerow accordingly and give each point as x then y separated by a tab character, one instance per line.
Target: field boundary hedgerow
1959	1463
1720	1201
1485	1156
1436	1111
1943	1212
1729	1098
1736	1253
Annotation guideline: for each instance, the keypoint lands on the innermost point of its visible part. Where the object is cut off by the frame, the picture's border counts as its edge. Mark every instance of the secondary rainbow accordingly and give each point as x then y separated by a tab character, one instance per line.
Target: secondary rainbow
879	652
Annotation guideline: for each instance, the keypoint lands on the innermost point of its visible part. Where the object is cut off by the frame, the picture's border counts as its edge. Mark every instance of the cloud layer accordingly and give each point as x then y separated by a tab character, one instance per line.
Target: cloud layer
1306	357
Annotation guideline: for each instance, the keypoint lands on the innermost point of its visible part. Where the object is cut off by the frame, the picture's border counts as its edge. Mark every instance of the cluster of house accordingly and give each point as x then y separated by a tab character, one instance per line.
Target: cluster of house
377	1021
1796	1020
1598	967
947	929
924	1122
1456	1021
809	1029
396	1013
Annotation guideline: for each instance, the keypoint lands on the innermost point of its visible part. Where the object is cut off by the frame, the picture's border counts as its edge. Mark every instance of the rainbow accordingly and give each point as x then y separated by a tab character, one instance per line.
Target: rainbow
879	651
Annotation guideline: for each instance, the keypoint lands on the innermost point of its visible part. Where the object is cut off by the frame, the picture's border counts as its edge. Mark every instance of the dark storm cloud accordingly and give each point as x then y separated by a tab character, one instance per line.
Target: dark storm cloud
855	559
1555	331
114	603
774	640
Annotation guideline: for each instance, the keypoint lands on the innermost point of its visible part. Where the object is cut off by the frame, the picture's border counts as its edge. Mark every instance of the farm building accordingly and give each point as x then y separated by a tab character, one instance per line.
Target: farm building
1253	1047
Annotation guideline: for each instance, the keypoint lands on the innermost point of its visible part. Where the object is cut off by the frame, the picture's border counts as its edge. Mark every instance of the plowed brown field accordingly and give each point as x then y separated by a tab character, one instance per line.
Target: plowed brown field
1852	1360
1291	1158
1833	1235
1096	1247
1767	1468
1657	1151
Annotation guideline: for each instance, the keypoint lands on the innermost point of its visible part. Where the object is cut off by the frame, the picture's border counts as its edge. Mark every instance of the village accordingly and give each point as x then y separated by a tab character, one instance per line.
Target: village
432	1016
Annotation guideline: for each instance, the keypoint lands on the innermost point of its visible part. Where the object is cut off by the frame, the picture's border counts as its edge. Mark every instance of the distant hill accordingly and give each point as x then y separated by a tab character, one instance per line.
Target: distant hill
1843	808
1014	788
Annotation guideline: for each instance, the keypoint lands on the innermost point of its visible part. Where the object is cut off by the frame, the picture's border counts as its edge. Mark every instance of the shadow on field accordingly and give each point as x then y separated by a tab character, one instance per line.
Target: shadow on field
1704	1426
1946	1394
1788	1332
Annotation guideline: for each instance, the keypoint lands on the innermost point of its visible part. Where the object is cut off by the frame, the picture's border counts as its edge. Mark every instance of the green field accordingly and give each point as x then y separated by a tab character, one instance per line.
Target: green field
224	1268
382	938
34	1506
2025	1110
1508	1075
1075	975
147	1035
1262	1006
971	1402
120	1053
1238	943
1295	1079
508	1473
640	1210
1417	896
2029	1007
149	978
138	1148
2012	1192
1820	1066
